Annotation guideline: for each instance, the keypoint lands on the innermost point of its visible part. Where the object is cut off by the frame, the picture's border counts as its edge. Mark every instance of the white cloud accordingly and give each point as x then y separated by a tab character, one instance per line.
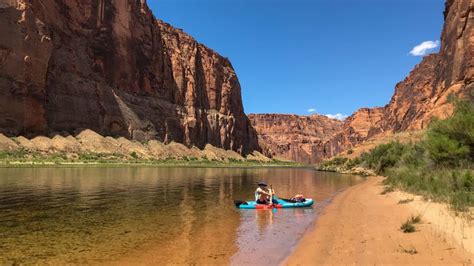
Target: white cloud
311	110
424	47
337	116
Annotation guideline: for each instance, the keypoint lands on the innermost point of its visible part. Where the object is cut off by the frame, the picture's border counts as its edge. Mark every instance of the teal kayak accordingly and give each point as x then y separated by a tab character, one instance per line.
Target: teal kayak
277	203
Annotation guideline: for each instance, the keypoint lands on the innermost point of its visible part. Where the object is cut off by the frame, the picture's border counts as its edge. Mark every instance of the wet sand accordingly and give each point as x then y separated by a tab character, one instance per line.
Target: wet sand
361	226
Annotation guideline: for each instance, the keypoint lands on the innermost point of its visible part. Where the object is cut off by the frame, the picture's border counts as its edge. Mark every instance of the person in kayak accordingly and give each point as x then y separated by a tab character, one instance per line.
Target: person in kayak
263	194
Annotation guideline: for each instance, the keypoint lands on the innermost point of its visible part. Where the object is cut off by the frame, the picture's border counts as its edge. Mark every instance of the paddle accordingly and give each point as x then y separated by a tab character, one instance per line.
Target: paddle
271	195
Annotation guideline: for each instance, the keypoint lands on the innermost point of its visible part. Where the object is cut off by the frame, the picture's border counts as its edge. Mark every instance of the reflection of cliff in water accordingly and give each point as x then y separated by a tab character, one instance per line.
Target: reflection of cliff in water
116	211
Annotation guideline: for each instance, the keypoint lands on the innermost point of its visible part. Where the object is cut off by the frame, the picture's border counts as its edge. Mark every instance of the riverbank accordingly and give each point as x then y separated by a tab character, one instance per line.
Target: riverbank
362	226
91	149
157	163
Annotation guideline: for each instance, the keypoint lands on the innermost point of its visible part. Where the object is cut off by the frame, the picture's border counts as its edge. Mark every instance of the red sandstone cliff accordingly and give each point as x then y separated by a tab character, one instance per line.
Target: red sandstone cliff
291	136
110	66
417	99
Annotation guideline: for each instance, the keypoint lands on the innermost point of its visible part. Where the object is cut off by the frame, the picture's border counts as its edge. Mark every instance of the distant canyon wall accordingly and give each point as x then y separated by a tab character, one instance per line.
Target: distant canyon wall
417	99
111	67
292	137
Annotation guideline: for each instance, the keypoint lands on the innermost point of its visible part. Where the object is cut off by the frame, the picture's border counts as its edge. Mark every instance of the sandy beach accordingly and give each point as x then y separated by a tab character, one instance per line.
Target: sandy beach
361	226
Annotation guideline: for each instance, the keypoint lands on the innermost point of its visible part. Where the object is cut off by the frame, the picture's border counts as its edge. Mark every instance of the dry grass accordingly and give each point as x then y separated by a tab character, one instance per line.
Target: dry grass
405	201
408	225
411	250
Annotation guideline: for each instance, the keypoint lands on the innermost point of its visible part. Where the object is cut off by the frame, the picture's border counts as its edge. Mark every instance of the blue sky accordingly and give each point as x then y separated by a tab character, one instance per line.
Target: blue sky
291	56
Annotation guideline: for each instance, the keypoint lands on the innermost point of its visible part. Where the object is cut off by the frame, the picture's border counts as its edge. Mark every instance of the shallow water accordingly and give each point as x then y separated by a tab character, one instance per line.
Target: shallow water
165	215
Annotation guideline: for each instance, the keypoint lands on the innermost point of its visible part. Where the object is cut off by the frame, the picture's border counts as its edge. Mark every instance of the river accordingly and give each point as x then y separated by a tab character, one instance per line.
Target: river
116	215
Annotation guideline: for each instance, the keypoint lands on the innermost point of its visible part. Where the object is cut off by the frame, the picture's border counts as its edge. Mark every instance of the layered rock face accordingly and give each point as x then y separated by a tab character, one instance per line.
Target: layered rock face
423	94
356	128
292	137
111	67
417	99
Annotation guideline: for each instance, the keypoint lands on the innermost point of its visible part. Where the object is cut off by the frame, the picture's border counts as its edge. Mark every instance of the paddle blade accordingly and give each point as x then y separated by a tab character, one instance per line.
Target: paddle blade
239	202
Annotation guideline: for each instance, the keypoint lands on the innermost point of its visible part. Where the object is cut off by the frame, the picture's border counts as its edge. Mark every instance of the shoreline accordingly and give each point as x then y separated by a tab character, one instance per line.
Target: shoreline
362	226
177	163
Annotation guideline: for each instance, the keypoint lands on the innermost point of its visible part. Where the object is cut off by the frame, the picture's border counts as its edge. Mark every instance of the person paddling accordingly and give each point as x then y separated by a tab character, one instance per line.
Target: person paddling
263	194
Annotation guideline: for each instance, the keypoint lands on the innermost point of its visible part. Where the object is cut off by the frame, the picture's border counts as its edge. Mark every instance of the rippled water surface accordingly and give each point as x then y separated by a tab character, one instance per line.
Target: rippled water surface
162	215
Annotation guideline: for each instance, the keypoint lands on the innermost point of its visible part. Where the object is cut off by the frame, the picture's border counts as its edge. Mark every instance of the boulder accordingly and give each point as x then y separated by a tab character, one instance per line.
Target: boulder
95	143
6	144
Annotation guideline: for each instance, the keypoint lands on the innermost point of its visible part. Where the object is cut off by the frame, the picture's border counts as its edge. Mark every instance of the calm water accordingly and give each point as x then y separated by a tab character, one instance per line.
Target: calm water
163	215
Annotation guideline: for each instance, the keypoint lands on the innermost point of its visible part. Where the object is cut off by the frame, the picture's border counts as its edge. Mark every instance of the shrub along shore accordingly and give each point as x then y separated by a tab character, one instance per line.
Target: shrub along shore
440	167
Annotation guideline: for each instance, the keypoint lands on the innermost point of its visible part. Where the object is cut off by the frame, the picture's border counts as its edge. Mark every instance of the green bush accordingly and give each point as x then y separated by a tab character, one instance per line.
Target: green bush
451	185
450	142
13	155
383	156
444	150
338	161
414	156
333	164
134	155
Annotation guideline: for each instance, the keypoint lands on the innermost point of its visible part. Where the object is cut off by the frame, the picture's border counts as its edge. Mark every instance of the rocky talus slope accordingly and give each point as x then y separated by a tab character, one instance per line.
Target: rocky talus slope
112	67
89	145
416	100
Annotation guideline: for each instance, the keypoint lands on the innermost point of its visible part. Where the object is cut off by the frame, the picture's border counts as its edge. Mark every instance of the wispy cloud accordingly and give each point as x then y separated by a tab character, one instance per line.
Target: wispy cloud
332	116
424	48
337	116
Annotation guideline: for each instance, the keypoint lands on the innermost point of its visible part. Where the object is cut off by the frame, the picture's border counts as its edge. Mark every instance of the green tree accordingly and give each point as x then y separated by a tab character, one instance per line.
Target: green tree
450	142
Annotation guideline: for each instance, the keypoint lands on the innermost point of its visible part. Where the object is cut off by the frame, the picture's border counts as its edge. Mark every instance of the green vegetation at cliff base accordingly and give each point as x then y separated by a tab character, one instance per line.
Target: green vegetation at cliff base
23	157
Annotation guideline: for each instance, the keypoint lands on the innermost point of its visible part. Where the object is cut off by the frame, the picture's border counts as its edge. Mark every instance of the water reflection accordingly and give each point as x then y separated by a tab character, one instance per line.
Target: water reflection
162	215
264	218
269	235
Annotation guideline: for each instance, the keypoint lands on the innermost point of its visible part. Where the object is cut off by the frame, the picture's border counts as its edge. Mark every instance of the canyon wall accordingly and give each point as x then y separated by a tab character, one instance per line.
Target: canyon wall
416	100
292	137
111	67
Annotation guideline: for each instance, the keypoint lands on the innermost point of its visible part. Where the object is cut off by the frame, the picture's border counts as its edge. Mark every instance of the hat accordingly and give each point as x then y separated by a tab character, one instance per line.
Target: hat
262	184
